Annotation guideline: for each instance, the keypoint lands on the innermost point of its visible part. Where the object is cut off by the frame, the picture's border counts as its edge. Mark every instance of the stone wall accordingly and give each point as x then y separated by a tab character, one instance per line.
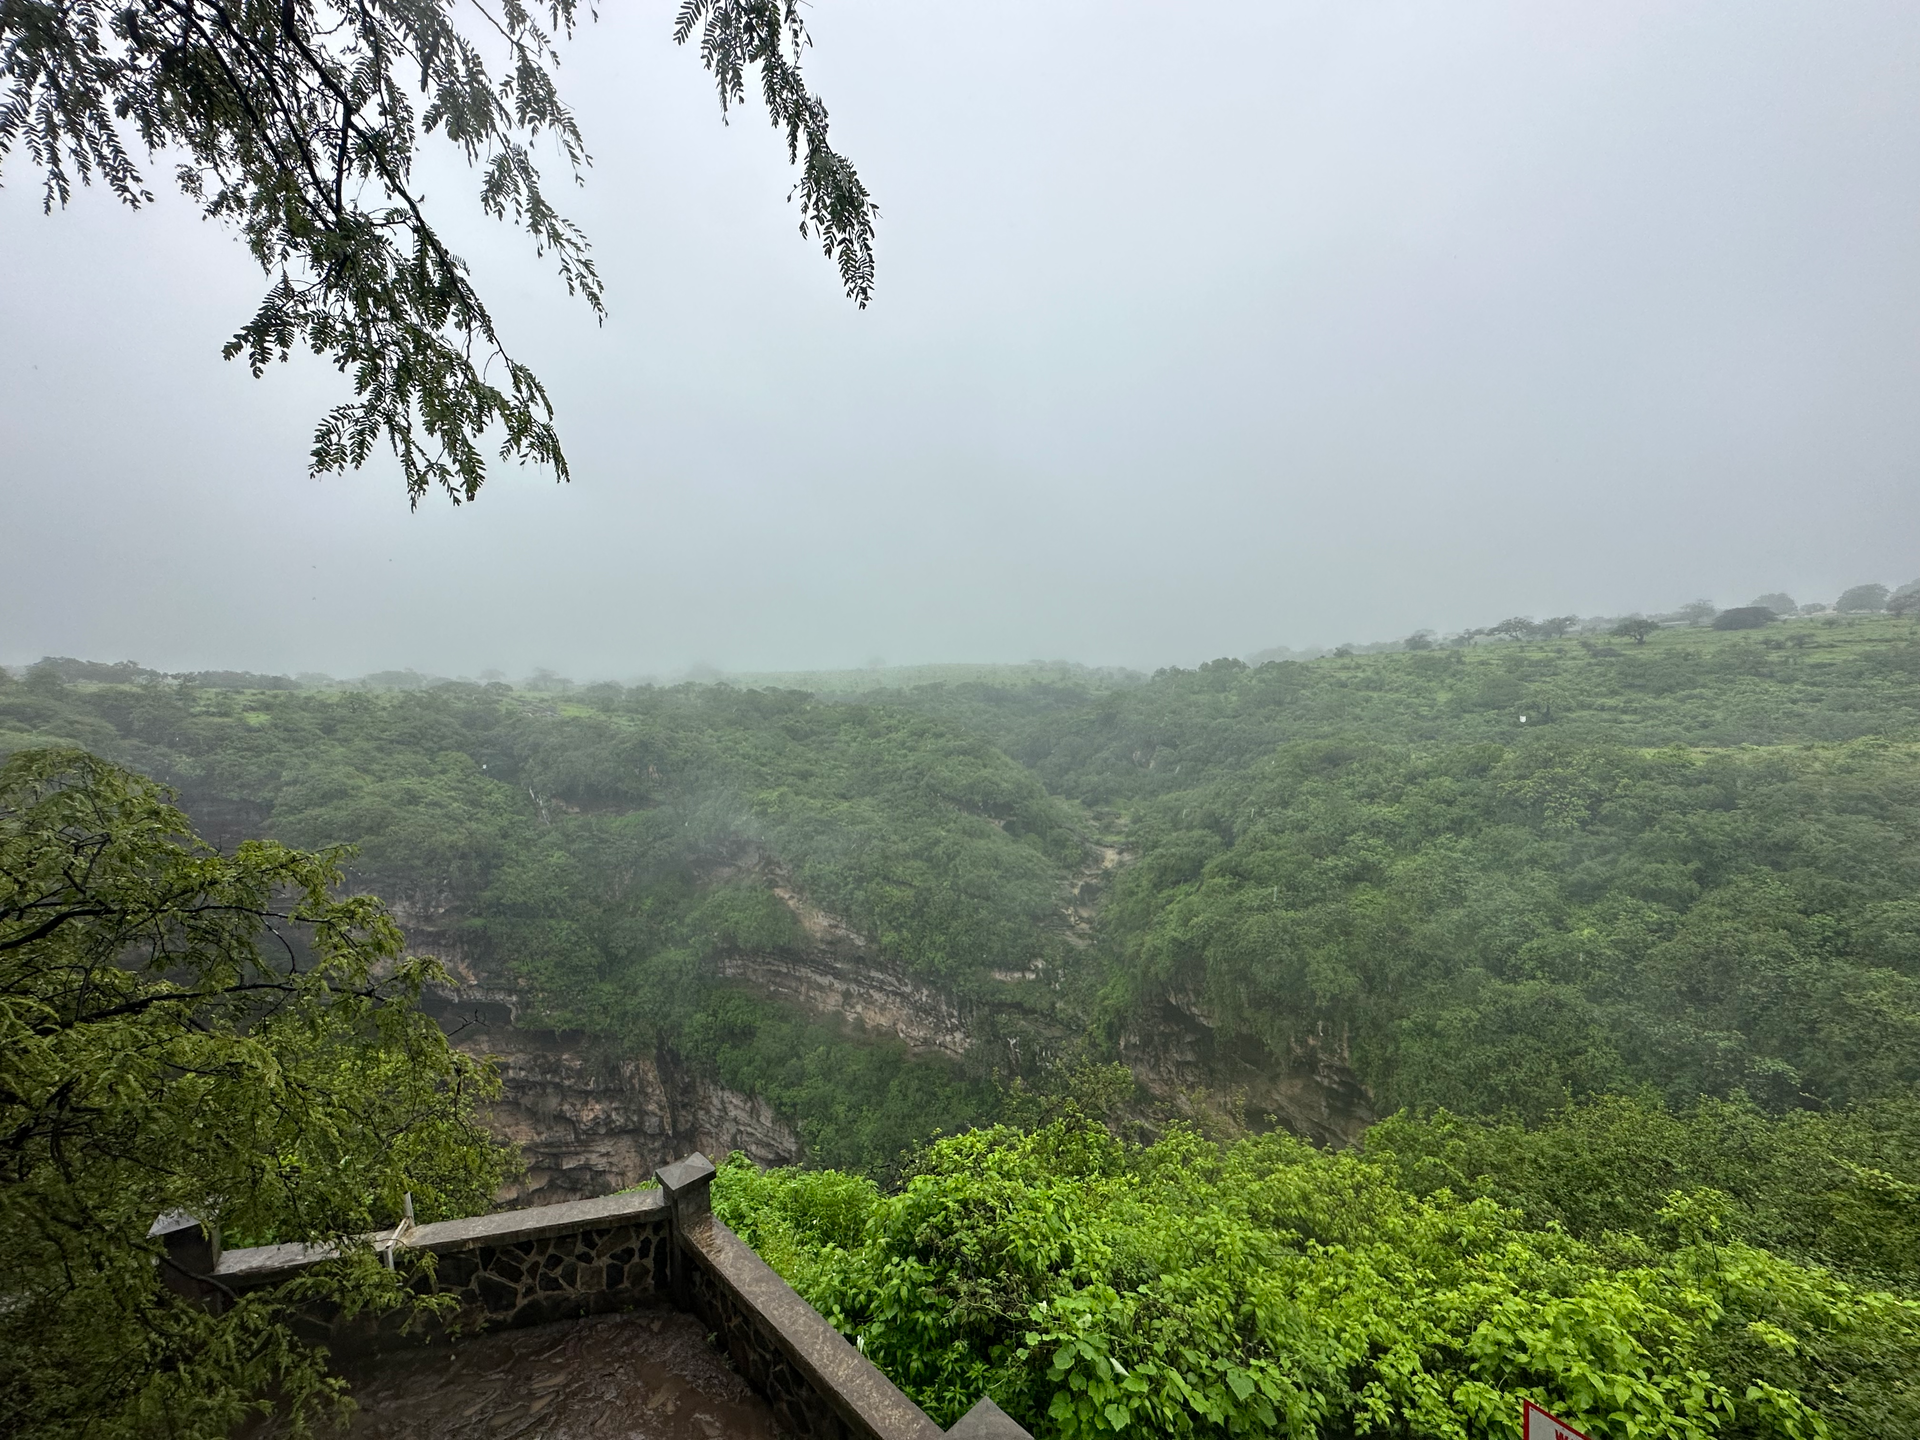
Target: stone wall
817	1383
588	1122
634	1250
598	1255
516	1267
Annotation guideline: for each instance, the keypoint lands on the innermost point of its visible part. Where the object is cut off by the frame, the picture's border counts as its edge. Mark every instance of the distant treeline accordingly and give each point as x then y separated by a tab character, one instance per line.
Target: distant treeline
70	671
1871	599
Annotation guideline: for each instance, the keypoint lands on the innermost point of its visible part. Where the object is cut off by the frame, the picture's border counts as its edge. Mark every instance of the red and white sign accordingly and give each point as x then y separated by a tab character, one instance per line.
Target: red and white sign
1537	1424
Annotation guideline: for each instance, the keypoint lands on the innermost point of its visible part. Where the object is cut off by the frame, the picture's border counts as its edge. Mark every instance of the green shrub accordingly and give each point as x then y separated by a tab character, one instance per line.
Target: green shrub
1267	1288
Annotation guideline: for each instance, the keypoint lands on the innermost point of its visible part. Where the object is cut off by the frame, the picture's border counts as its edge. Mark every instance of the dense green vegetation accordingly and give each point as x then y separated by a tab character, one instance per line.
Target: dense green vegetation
606	851
1802	681
1692	864
1268	1288
1833	1188
223	1035
1495	878
1628	932
1490	928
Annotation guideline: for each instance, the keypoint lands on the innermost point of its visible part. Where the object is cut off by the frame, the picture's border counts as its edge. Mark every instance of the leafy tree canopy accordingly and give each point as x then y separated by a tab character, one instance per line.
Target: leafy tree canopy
183	1030
1862	598
1745	617
1493	928
1777	602
298	122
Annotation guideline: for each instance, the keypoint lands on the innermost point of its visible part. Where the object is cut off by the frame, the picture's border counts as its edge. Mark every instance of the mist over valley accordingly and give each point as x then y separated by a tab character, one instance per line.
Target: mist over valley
1177	724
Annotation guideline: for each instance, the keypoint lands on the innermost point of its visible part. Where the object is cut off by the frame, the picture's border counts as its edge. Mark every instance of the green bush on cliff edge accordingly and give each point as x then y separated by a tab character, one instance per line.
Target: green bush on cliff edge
1264	1287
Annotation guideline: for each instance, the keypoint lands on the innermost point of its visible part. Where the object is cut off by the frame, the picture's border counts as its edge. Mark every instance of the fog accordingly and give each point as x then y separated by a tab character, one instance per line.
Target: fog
1198	331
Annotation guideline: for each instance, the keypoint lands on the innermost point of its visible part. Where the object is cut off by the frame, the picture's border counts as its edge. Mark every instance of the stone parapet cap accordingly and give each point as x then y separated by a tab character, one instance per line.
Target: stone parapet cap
444	1237
683	1177
265	1264
260	1263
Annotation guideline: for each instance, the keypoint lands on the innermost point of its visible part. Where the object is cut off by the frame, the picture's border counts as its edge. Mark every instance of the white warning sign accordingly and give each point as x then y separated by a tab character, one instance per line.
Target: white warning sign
1537	1424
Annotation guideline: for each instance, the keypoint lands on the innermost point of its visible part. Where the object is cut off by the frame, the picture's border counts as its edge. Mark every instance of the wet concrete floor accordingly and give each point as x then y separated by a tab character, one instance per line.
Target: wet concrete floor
647	1376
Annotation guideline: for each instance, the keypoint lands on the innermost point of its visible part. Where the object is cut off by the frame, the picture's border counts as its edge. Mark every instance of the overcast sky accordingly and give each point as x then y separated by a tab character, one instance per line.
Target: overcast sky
1199	330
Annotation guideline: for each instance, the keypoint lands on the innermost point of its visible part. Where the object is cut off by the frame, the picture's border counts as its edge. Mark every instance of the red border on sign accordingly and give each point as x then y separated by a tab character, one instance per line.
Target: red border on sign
1527	1407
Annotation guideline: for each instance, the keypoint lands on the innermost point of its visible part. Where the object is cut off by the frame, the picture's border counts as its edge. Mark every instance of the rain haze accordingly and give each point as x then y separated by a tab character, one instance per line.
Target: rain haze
1198	331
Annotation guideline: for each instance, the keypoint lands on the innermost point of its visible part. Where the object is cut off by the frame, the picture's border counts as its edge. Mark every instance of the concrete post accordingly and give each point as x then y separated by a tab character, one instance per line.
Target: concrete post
688	1186
191	1248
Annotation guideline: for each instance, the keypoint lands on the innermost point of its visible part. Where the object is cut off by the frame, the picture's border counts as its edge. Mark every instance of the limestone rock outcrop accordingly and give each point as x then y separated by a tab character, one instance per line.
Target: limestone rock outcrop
587	1121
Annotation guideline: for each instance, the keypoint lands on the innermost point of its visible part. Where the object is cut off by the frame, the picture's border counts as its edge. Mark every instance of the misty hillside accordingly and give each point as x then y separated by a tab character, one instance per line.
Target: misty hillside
1532	973
1493	879
844	761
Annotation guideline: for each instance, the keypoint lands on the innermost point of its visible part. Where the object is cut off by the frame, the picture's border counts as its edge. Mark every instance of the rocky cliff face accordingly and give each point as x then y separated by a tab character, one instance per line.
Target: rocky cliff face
588	1122
837	975
1179	1058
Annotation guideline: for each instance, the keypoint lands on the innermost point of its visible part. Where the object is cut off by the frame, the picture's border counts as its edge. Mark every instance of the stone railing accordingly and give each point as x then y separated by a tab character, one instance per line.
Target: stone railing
636	1250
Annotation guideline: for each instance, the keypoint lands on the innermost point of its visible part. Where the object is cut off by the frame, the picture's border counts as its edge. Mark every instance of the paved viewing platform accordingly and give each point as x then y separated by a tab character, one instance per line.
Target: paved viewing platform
607	1377
636	1316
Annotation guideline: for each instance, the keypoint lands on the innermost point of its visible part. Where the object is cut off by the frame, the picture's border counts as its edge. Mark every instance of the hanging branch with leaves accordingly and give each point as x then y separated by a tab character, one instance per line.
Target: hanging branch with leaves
298	121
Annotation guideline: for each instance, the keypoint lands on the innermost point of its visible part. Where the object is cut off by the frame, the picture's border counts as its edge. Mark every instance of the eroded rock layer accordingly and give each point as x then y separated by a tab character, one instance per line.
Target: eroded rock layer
588	1121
